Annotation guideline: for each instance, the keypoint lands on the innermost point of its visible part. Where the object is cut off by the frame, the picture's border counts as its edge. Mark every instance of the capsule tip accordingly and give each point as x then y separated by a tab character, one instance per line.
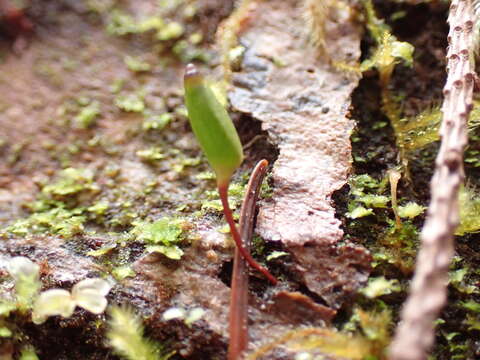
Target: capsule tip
191	71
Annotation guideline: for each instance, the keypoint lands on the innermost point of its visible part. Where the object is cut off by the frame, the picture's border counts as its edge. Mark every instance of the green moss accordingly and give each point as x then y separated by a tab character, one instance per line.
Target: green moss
410	210
150	155
66	223
28	353
469	203
136	65
122	272
71	181
87	115
156	122
163	235
358	212
99	208
363	200
369	340
170	31
399	246
380	286
236	192
130	103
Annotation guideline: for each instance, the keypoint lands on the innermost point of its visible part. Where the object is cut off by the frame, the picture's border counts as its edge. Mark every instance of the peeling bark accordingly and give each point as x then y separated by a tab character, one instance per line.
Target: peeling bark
303	107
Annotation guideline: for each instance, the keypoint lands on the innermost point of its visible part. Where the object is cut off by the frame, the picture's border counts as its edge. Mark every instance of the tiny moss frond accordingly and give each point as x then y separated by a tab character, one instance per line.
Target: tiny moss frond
388	53
163	236
417	132
228	34
318	15
469	202
125	336
400	246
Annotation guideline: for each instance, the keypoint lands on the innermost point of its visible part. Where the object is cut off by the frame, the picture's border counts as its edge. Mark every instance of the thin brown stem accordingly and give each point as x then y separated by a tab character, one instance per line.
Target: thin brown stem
239	294
223	191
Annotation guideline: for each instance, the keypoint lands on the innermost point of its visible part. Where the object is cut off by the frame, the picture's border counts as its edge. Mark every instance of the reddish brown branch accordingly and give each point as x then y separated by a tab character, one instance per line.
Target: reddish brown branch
415	333
223	191
239	294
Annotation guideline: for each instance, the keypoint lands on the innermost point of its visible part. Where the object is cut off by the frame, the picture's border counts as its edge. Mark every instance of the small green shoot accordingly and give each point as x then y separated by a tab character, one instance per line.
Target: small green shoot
220	142
25	273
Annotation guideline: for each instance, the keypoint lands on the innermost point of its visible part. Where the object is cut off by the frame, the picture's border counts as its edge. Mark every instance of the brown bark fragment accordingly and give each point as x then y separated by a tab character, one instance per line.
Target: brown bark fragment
302	105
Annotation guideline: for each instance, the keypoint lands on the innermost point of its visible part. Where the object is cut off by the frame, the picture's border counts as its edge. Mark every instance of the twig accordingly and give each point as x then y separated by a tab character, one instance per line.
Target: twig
415	333
239	294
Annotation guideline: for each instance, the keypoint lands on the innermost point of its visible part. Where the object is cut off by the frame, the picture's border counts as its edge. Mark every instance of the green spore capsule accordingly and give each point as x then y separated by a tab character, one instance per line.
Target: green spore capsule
212	126
220	143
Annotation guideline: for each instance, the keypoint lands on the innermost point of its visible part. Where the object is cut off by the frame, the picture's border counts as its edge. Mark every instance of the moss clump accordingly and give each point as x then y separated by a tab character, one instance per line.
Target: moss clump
388	53
87	116
156	122
163	236
236	192
71	181
58	220
469	203
399	246
379	286
136	65
151	155
130	103
56	211
368	338
363	202
168	35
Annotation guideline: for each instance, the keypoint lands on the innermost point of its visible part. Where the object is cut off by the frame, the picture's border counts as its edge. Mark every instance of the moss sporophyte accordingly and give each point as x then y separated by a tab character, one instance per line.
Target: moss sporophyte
219	141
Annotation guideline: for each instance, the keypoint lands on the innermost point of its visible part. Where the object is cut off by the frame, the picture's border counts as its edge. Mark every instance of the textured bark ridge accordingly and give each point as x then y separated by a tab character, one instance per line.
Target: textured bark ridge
302	106
415	333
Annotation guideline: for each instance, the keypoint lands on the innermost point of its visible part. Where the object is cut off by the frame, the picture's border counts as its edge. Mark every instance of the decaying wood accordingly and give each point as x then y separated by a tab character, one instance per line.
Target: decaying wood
415	333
